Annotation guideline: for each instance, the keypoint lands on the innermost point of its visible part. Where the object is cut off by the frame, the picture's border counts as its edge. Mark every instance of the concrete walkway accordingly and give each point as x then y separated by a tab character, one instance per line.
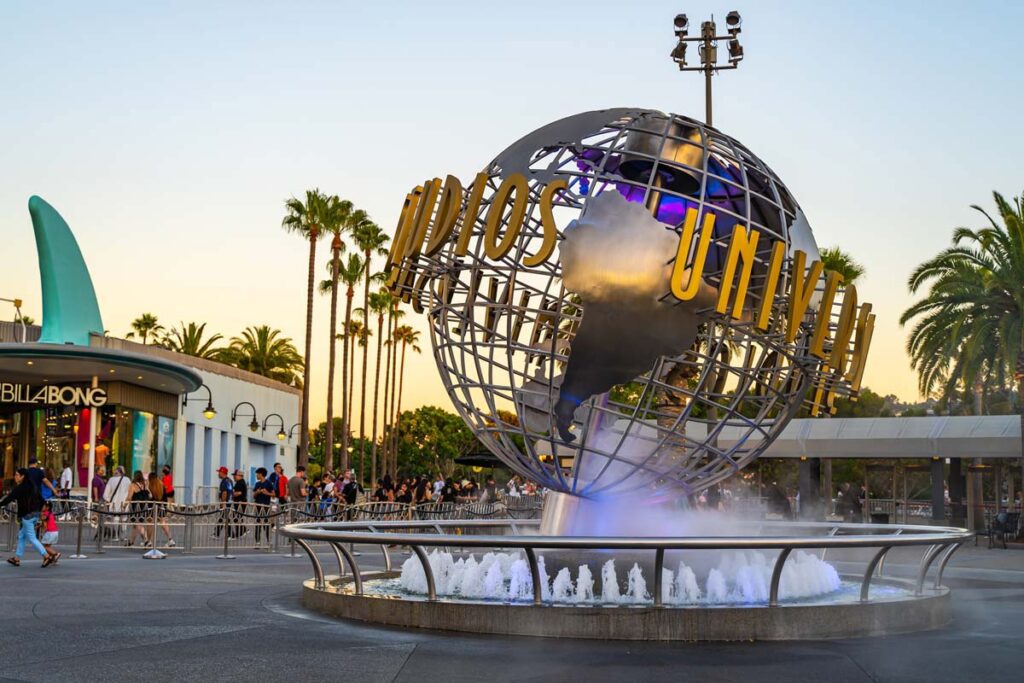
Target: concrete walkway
117	617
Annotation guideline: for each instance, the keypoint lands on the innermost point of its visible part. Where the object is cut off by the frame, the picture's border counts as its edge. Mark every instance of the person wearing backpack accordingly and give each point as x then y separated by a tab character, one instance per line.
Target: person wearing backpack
139	495
29	503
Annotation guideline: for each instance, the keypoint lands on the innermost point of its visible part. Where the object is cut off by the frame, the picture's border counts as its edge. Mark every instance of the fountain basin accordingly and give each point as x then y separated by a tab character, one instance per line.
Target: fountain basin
526	602
892	609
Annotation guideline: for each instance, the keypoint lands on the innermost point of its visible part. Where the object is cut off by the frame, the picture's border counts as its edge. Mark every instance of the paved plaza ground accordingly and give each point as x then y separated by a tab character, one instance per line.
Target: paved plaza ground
118	617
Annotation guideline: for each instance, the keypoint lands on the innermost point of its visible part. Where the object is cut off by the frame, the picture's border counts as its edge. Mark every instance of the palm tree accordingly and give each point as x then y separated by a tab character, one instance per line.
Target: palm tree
407	337
369	238
337	216
361	330
264	351
379	303
839	261
350	273
390	380
968	329
188	339
304	218
967	332
144	326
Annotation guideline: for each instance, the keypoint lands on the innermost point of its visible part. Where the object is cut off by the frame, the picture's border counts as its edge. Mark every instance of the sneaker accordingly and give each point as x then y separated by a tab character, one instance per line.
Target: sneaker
171	543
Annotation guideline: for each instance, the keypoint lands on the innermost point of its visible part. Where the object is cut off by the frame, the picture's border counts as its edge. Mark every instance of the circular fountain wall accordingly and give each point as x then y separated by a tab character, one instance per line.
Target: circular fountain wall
462	576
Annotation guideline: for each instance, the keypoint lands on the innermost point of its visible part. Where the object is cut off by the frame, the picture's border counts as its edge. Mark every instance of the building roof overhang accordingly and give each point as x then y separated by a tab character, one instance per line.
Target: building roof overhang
71	364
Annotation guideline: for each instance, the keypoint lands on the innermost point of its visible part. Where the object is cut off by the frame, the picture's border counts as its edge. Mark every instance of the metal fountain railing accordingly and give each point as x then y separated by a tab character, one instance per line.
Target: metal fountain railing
939	543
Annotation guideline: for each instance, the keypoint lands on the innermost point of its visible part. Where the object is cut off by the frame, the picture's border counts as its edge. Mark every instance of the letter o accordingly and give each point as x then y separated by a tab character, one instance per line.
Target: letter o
515	183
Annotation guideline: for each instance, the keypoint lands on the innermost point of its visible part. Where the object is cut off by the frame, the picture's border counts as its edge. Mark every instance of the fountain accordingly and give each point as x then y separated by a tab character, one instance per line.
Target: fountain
627	307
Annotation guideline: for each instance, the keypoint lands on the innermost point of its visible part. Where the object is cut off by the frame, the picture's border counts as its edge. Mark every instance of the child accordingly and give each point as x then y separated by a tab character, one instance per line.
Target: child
49	523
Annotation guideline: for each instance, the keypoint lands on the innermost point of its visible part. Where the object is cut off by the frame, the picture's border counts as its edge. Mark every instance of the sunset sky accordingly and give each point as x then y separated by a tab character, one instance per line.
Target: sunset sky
170	134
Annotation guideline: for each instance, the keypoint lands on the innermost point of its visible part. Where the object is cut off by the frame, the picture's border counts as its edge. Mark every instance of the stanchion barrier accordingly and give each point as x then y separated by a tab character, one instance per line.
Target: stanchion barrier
100	531
277	539
12	530
226	555
190	528
154	553
78	536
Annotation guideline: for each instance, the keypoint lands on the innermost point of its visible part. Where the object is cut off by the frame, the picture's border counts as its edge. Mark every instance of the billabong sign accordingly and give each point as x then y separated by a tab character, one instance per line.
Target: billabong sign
52	395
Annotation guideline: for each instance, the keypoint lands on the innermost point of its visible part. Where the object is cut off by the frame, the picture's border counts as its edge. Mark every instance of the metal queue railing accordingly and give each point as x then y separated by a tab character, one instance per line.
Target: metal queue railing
248	526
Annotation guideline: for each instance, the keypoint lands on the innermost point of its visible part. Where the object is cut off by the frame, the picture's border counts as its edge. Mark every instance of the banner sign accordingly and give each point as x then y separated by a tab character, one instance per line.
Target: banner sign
52	395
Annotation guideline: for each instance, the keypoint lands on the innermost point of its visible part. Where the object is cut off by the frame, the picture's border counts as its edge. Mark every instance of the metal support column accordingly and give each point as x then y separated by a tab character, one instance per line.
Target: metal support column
938	491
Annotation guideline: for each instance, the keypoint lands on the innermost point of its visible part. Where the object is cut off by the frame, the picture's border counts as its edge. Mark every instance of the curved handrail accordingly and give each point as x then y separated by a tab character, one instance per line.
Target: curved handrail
855	535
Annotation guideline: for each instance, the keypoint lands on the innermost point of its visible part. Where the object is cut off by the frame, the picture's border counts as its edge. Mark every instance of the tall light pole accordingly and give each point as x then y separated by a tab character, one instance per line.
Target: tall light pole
708	49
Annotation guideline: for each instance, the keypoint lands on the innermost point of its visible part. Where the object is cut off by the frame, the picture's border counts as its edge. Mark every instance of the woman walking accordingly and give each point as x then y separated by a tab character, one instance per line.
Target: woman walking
139	495
29	503
159	496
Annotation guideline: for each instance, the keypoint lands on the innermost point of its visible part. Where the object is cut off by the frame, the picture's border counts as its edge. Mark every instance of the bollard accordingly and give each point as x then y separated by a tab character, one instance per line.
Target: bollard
12	533
100	529
224	526
189	528
154	553
78	541
277	526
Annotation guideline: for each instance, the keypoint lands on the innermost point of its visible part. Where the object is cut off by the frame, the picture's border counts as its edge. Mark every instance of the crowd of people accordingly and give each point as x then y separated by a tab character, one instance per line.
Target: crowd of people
421	489
133	518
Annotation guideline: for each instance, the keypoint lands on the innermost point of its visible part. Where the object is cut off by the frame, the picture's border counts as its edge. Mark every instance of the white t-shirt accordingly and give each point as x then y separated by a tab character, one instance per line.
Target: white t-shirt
116	492
65	478
329	487
438	486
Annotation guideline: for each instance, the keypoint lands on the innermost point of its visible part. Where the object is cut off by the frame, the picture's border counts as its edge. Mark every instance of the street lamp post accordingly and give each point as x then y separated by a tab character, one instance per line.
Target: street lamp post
209	412
254	424
281	434
708	48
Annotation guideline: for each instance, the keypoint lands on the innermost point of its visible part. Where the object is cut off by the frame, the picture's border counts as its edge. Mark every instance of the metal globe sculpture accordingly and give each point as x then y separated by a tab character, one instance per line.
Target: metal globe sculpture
626	299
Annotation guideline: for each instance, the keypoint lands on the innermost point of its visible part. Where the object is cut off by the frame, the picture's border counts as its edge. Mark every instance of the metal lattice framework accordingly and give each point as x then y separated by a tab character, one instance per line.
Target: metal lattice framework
503	333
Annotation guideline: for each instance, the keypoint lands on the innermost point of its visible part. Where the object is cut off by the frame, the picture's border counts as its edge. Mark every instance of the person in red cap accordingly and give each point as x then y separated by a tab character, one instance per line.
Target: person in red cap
226	489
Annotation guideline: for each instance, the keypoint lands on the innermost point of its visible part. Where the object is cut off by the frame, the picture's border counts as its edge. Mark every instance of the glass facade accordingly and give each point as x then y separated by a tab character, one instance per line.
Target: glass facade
59	436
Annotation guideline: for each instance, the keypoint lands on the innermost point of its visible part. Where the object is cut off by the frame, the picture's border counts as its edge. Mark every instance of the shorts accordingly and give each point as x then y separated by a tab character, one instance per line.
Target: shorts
49	538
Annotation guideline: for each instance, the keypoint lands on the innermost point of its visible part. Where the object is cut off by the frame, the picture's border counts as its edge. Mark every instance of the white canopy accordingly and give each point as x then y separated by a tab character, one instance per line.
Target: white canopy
986	436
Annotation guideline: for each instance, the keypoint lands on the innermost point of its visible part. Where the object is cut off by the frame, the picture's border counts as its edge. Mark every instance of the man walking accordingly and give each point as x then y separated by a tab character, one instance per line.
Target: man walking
29	504
297	490
279	482
350	488
116	494
262	492
239	502
224	497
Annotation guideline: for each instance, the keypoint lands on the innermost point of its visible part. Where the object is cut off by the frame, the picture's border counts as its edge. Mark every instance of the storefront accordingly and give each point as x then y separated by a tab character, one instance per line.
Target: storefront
72	396
54	407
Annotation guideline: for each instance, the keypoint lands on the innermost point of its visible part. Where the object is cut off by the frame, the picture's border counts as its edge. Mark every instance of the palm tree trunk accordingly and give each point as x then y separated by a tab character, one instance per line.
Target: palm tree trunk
329	429
398	415
304	420
366	352
345	380
353	350
393	436
385	438
376	396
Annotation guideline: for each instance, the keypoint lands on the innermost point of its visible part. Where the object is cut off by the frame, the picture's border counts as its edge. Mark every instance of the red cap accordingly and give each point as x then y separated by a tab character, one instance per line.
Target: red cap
222	470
